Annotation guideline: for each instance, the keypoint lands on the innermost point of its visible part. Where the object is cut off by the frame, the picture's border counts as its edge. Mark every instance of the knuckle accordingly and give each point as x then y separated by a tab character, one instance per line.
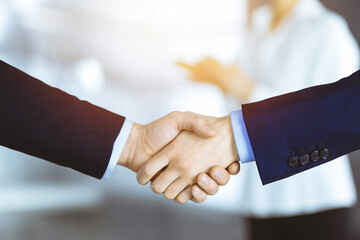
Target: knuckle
201	198
183	166
220	175
181	200
140	180
223	182
214	190
168	195
226	180
174	114
147	171
174	153
191	173
199	121
200	177
156	188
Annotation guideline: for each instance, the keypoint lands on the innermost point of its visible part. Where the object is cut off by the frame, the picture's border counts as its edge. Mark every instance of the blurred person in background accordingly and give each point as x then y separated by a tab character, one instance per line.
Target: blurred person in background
289	45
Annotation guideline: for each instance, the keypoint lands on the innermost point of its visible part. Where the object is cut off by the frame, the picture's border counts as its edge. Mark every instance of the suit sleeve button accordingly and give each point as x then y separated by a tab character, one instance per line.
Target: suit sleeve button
315	155
325	154
293	161
304	159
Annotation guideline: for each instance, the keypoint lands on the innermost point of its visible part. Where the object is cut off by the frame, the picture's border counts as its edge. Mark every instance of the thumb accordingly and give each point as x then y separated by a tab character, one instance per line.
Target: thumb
194	123
234	168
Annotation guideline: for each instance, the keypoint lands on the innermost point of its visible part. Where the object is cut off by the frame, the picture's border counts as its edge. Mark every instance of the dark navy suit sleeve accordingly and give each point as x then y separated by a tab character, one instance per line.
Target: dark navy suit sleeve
48	123
298	131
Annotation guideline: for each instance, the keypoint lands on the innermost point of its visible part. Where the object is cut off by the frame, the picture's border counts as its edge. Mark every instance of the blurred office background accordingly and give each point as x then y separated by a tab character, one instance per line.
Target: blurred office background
121	55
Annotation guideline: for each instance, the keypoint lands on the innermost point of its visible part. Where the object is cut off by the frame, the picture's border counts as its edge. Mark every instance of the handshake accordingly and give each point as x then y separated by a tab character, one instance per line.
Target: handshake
185	156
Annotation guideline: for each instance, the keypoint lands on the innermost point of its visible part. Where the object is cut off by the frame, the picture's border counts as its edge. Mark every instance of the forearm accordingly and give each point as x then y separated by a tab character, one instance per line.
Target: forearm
313	119
48	123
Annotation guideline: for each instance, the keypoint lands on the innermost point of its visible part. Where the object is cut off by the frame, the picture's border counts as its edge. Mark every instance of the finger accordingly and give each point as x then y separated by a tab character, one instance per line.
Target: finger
195	123
195	75
175	189
163	181
205	72
184	196
200	75
148	170
234	168
213	68
157	174
198	194
219	175
185	65
207	184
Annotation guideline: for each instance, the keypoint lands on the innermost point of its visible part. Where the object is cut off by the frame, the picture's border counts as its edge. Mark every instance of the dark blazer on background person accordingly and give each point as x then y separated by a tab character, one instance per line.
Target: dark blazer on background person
48	123
297	131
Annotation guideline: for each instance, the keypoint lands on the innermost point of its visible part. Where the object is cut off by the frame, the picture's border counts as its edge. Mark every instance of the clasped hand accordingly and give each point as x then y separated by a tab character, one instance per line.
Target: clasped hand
184	155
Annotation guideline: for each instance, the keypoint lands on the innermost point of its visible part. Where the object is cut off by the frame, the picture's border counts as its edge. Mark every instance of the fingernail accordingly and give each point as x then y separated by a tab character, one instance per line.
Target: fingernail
204	180
196	190
218	175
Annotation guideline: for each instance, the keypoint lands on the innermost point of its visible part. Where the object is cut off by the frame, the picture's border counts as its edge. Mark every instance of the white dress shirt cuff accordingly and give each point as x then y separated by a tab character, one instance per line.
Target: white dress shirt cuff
241	137
118	146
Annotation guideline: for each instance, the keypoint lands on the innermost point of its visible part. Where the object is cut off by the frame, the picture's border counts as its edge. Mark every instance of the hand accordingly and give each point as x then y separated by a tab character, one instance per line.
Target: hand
209	184
218	176
211	71
188	156
230	79
145	141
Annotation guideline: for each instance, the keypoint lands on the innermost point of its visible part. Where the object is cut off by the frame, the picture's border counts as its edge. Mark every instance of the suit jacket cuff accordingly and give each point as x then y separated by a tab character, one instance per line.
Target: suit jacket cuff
242	141
118	147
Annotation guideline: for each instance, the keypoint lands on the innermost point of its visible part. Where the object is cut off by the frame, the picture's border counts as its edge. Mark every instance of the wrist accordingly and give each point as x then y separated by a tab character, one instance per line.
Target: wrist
129	150
230	134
